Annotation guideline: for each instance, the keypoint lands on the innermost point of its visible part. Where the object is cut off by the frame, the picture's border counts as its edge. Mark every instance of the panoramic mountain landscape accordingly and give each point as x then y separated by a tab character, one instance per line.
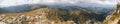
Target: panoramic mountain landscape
59	12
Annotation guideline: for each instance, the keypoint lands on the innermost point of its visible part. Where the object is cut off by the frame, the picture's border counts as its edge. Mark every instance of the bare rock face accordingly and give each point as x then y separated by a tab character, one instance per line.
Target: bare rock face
114	17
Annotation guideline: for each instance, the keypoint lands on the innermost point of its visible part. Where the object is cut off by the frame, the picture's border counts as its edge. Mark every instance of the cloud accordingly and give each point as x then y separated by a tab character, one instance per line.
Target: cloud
6	3
17	2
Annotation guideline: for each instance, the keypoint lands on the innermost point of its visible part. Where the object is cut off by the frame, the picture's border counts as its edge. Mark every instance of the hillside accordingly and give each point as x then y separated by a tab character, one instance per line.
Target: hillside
35	15
46	15
114	17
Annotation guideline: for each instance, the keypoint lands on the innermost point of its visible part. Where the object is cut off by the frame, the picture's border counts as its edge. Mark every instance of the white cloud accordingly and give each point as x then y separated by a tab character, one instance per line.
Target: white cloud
105	2
12	2
19	2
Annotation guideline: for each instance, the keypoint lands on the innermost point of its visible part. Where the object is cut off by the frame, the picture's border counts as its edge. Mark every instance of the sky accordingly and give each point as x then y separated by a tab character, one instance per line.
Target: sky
6	3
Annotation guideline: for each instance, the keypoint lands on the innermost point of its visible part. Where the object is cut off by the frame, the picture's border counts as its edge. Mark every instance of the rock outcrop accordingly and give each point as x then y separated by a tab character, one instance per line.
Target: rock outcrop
114	17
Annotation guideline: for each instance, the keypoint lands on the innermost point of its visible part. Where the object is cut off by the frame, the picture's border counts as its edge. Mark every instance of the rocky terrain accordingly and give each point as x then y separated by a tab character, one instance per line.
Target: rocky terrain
48	15
113	17
40	16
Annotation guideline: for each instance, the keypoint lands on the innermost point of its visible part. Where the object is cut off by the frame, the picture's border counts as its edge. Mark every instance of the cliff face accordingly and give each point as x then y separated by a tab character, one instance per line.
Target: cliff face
114	17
